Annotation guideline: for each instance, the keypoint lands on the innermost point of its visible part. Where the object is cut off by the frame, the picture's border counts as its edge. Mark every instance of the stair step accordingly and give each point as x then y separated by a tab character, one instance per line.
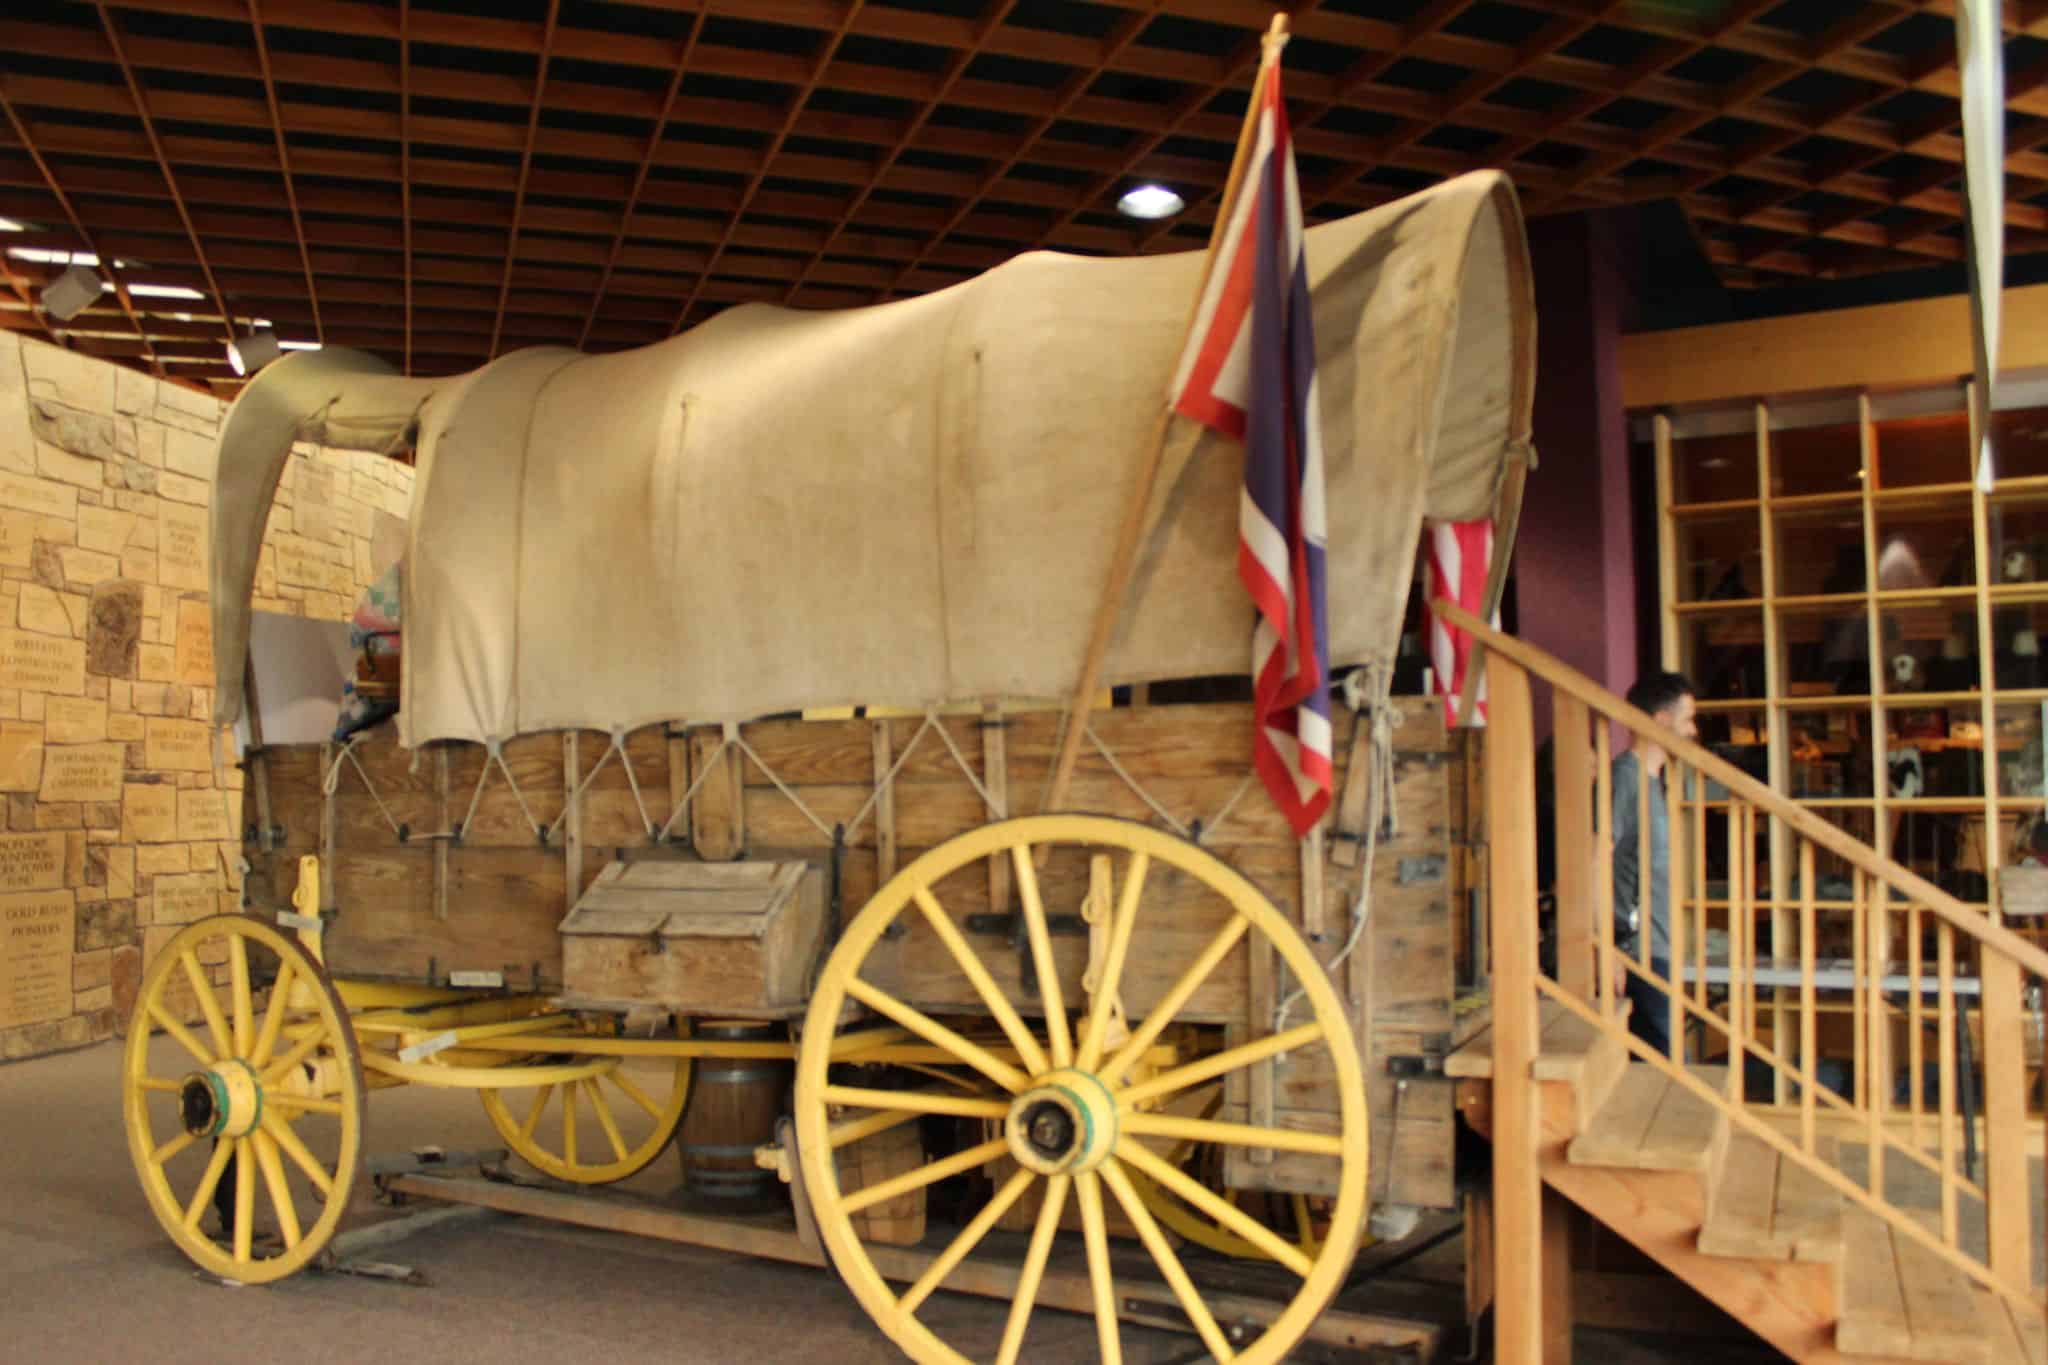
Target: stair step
1767	1206
1651	1123
2018	1336
1903	1301
1564	1044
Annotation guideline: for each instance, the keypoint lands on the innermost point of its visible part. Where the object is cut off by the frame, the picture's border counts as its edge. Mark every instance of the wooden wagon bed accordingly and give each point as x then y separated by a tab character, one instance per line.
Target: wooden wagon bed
429	909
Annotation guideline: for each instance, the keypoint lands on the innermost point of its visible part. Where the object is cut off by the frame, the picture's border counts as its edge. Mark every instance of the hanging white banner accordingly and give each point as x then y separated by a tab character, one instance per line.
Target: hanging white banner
1980	54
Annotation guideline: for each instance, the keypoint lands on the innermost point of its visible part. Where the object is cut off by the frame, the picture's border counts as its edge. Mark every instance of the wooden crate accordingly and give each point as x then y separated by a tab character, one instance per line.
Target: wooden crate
700	938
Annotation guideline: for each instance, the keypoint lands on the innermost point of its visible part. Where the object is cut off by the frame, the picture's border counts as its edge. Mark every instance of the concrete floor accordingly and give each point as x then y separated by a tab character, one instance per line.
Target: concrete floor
86	1275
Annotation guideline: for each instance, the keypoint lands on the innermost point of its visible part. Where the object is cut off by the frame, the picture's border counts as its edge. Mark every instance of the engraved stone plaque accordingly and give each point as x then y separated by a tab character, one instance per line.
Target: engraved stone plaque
195	643
181	745
32	862
182	898
149	813
40	496
181	547
41	663
36	931
74	720
203	815
81	772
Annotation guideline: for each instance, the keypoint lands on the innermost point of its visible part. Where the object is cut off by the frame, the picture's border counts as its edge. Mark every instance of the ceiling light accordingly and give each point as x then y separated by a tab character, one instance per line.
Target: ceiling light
1150	201
251	351
72	292
299	345
10	225
42	255
164	291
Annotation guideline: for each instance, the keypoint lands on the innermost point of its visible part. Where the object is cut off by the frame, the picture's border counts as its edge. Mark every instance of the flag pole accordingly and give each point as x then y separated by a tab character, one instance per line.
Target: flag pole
1109	611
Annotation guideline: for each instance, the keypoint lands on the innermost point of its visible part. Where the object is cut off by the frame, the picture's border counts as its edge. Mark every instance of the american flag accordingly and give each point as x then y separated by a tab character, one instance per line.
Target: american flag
1249	371
1460	557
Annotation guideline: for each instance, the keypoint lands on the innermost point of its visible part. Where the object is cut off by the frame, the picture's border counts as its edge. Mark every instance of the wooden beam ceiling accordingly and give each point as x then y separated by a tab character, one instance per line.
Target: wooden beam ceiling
442	180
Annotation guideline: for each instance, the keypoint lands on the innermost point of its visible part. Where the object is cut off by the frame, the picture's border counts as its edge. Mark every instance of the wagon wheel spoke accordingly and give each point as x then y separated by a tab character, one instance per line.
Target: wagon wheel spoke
854	1130
540	1102
1176	997
306	1104
242	1001
1170	1268
1221	1063
1036	929
281	1132
1234	1134
569	1124
280	1189
971	966
1094	1033
171	1148
938	1035
1224	1213
1033	1272
1088	1191
310	1042
273	1016
959	1163
605	1120
245	1200
917	1102
634	1093
970	1237
209	1004
163	1020
208	1183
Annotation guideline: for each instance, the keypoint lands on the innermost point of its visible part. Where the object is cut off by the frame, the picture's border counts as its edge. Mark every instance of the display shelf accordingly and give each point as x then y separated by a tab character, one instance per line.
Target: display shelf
1686	511
1851	668
1717	606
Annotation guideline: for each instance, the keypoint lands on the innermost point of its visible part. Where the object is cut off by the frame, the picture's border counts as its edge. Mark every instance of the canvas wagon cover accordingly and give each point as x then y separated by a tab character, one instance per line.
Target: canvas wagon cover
909	503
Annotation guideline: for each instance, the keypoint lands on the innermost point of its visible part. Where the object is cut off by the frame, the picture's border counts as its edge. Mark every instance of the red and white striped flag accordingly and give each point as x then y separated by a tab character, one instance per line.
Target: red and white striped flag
1460	557
1249	371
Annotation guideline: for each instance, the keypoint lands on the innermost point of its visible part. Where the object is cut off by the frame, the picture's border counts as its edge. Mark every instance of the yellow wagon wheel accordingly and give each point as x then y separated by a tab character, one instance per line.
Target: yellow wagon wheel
1070	1115
595	1129
270	1097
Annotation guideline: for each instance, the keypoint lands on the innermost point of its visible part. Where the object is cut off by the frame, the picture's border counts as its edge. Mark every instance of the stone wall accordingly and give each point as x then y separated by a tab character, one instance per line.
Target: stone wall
117	831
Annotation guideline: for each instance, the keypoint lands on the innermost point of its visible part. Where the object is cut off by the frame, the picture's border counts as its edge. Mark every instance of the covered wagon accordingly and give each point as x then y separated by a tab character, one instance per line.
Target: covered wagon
725	737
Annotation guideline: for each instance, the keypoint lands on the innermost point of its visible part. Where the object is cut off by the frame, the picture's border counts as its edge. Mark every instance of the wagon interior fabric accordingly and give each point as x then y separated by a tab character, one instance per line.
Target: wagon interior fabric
910	503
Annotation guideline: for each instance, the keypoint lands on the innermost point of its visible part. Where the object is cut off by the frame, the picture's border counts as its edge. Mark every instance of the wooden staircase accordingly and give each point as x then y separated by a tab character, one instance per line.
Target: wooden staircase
1772	1244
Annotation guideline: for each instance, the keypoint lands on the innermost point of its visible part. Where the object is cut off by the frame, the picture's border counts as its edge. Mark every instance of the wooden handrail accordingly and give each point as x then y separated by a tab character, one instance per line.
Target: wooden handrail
1859	855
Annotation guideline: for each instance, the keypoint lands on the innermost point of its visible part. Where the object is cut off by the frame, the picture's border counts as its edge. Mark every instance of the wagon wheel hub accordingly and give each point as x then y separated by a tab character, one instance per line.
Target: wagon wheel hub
224	1100
1064	1124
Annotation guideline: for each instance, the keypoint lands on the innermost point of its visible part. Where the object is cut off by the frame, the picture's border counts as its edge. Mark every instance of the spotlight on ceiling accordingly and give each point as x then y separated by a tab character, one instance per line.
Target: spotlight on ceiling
1150	201
72	292
252	350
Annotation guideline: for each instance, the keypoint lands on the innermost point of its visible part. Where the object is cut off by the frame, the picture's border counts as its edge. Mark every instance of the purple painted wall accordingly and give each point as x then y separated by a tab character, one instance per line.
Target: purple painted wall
1575	557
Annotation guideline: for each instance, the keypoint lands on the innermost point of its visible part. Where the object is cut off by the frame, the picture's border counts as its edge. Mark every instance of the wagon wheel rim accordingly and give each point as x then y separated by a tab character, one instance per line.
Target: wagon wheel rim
1067	1084
277	1089
632	1119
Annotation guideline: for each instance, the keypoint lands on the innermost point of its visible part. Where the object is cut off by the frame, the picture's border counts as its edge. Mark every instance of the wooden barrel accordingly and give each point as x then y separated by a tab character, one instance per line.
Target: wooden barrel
734	1103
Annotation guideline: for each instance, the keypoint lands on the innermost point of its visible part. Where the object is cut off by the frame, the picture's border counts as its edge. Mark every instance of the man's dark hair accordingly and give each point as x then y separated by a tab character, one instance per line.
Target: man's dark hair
1656	692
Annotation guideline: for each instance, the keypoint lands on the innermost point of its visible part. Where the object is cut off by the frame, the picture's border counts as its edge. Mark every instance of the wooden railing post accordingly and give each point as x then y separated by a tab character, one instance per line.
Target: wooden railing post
1511	858
2007	1188
1575	853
